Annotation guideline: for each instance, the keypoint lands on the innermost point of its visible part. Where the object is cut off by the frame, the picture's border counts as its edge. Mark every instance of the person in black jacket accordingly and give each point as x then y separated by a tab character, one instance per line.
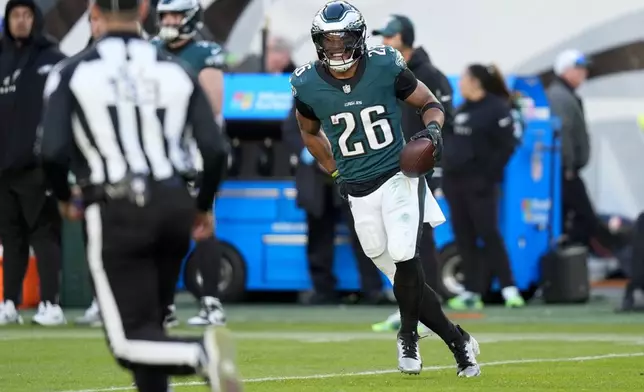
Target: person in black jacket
27	215
474	157
399	34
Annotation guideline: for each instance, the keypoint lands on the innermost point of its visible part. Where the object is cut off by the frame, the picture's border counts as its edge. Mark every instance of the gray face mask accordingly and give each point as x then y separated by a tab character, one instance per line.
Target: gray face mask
169	33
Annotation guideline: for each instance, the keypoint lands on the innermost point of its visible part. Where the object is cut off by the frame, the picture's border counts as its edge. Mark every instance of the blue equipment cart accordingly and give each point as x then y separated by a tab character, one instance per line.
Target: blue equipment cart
264	233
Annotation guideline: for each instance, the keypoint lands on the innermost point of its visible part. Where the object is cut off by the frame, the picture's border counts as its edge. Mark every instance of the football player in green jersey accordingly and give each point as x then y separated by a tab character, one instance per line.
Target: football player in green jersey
178	22
352	93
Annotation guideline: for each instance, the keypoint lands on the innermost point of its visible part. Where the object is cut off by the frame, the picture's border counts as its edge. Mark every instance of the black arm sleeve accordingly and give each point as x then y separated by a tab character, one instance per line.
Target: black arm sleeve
56	143
211	145
405	84
305	110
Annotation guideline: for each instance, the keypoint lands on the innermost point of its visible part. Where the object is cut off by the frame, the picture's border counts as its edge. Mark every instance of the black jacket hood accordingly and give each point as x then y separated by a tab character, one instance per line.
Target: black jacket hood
37	37
419	56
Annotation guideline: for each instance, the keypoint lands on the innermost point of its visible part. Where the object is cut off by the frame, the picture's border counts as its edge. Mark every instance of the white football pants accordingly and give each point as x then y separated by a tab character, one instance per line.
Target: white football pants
388	220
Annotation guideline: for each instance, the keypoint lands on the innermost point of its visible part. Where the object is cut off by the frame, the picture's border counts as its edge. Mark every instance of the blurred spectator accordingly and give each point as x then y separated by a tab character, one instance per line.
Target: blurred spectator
278	58
399	34
474	159
581	222
97	28
635	270
27	215
322	203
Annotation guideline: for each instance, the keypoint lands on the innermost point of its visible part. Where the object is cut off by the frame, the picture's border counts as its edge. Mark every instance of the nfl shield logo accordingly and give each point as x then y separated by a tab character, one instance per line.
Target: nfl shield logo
346	88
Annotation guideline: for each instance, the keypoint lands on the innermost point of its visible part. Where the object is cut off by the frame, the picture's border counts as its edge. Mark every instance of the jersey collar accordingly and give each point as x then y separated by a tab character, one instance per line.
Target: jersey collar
324	73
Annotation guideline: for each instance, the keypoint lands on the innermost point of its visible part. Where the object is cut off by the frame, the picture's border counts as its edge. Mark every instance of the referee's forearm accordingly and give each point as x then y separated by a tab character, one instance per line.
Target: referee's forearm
213	175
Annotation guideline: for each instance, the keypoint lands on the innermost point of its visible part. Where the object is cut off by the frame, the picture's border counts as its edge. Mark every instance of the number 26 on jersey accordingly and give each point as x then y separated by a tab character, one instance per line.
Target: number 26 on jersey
379	133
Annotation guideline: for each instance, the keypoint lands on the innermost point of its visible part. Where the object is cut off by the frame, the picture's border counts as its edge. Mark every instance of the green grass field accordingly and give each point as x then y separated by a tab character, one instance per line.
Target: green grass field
295	349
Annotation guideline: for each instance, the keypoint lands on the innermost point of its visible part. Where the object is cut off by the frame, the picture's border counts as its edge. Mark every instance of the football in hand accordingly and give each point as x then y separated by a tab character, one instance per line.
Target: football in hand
417	157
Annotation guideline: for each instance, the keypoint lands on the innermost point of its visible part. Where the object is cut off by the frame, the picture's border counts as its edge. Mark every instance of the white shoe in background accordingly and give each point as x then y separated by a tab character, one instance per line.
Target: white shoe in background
49	315
9	314
211	313
170	319
92	316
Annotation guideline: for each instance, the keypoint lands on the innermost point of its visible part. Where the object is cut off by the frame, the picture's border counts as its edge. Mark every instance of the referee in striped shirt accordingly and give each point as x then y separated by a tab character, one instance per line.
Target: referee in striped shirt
121	113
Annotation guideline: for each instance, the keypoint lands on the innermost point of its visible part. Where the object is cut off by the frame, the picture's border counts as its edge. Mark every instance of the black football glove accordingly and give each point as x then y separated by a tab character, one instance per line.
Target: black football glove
433	133
340	184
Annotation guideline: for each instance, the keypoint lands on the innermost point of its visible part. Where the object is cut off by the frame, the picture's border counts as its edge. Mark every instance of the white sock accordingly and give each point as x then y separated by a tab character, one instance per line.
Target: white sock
510	292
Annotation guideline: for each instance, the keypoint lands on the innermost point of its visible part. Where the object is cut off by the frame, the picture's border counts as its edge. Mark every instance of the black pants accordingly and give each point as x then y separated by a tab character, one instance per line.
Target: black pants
581	221
29	217
134	254
321	246
473	205
428	252
429	257
207	259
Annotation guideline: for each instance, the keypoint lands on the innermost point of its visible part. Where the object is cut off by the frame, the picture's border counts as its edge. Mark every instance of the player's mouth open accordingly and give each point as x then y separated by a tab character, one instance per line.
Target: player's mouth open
340	56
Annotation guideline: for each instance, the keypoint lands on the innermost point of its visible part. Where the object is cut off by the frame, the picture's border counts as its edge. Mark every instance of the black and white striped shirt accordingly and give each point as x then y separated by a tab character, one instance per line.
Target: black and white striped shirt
122	107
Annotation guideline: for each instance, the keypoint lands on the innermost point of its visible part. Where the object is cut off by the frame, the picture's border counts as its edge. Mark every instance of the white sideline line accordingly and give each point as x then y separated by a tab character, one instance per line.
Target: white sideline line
327	337
378	372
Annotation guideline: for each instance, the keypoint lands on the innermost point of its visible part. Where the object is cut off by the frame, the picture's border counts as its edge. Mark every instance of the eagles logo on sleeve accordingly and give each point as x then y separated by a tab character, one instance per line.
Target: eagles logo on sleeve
400	60
210	55
216	58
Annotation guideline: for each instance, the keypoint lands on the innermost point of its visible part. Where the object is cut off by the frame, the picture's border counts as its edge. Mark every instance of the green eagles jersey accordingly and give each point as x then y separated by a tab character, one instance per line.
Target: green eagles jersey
197	54
361	118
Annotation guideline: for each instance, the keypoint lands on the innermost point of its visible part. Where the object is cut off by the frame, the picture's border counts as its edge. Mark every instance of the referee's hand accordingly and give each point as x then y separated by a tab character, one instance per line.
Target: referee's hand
204	226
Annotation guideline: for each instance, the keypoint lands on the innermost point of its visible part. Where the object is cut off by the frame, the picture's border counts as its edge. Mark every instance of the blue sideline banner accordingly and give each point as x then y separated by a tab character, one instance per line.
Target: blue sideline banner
257	97
268	97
